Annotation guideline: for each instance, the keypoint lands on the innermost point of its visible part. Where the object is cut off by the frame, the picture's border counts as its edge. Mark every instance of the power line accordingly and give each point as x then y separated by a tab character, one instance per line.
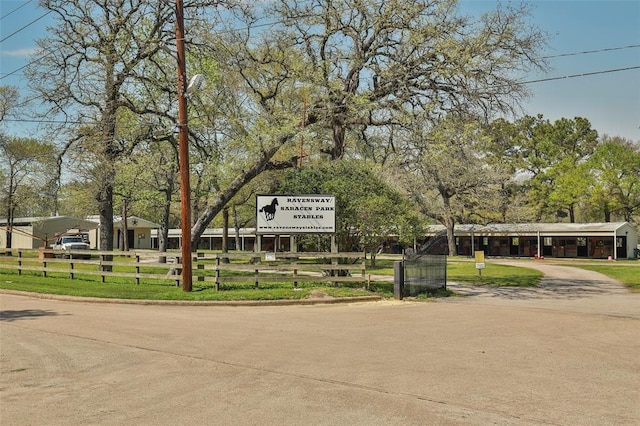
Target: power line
16	9
585	52
26	26
285	21
585	74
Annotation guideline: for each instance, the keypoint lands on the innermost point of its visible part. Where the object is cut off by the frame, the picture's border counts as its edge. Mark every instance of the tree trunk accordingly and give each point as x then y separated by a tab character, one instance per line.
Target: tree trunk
124	229
105	207
163	232
236	226
10	212
572	214
229	192
449	222
225	233
105	195
607	212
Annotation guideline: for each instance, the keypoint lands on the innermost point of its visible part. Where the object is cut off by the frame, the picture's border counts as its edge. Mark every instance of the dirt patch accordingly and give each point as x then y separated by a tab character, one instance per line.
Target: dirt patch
318	294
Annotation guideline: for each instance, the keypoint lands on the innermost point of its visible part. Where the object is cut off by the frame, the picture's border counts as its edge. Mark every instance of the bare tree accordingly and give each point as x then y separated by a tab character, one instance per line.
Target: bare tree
372	61
101	59
8	100
25	173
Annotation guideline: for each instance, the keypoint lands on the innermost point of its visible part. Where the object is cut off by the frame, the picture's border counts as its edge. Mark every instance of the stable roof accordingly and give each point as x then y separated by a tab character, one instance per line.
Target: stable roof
567	229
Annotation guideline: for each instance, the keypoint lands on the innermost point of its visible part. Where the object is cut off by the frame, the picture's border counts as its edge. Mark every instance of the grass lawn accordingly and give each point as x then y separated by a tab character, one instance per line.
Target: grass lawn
627	272
492	275
463	270
460	270
118	288
123	288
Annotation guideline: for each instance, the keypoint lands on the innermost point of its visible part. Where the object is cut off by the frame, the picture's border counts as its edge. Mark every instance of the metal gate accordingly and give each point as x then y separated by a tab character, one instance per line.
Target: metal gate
421	272
424	273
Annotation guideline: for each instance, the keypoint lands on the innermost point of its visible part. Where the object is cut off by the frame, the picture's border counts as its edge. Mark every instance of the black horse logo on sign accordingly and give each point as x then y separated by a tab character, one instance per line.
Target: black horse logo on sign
269	210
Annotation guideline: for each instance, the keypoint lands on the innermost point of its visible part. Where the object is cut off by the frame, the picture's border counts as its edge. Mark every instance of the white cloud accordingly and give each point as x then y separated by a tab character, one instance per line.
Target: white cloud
20	52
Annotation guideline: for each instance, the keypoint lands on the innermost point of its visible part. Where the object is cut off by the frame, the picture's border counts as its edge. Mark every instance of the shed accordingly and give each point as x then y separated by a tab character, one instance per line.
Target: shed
138	232
35	232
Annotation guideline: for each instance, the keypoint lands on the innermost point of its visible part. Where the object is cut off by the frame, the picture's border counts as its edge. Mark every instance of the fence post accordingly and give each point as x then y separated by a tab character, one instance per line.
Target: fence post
217	273
257	279
19	262
137	269
295	275
71	266
200	265
178	270
102	275
398	279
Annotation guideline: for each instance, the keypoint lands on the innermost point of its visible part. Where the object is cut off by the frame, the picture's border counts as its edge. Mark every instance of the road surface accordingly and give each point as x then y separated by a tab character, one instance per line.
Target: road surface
566	353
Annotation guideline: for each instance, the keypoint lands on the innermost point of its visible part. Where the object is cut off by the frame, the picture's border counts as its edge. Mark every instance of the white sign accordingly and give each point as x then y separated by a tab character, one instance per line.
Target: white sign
295	214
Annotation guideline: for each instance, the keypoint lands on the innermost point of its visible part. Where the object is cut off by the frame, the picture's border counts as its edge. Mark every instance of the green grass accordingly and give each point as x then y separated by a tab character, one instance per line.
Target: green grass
464	271
627	273
458	270
122	288
493	275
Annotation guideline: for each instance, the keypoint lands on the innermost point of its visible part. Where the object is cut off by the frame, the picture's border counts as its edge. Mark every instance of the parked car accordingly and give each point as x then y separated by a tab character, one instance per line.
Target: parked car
70	243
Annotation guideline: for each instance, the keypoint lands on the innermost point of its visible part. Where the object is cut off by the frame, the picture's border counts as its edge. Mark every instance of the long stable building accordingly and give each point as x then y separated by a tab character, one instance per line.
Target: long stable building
617	240
610	240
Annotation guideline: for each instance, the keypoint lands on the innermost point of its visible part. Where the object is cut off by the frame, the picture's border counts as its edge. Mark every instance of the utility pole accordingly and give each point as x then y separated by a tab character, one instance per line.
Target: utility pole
183	151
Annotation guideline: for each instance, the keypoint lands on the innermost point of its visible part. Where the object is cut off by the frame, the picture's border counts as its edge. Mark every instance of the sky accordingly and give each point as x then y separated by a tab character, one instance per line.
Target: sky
594	50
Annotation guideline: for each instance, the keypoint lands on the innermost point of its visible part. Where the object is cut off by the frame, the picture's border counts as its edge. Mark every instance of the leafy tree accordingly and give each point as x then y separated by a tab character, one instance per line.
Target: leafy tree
615	179
509	202
549	154
447	173
367	208
26	170
370	62
248	124
344	73
102	58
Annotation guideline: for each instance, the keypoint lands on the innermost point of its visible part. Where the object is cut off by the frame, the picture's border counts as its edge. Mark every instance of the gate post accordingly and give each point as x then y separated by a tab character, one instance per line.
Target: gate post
398	279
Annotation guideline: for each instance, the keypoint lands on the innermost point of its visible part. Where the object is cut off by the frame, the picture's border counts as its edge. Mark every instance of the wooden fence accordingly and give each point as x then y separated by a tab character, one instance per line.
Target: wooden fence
219	268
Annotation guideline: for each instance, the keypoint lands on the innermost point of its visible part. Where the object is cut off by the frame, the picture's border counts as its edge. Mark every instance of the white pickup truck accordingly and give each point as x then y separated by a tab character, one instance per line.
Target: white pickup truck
72	243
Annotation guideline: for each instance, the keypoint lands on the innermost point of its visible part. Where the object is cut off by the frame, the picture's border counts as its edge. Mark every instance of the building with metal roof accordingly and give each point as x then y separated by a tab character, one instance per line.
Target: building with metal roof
607	240
36	232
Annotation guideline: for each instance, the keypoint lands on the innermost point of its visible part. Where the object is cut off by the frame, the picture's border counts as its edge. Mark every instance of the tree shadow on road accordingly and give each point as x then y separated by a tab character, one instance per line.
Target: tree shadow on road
25	314
547	289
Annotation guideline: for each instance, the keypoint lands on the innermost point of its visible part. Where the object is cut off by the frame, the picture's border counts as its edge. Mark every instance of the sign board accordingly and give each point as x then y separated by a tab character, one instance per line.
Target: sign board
295	214
479	260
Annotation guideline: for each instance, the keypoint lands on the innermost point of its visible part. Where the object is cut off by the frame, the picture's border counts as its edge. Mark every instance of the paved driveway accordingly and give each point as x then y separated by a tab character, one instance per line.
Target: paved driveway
567	353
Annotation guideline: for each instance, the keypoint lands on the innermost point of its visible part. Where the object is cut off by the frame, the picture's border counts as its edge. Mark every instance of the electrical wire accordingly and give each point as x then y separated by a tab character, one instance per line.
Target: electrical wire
16	9
26	26
586	74
523	82
586	52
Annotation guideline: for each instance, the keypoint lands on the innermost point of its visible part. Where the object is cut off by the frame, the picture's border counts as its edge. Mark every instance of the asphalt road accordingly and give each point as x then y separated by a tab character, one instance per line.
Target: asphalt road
566	353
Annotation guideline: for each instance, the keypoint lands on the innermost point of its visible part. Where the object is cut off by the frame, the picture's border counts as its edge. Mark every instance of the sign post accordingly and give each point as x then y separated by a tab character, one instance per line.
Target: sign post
480	262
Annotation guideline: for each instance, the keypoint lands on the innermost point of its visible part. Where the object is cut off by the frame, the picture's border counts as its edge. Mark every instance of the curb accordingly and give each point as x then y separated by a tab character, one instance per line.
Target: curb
278	302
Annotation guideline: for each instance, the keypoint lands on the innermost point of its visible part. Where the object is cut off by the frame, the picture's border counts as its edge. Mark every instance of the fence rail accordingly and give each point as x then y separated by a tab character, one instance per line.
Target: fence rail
219	268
